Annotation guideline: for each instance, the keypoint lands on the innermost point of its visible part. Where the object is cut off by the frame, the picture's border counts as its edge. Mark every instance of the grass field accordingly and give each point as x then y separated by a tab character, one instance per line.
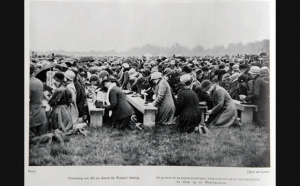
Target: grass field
247	146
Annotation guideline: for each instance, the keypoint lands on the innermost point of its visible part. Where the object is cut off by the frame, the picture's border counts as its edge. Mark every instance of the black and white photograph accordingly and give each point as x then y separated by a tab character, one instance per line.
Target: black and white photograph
155	84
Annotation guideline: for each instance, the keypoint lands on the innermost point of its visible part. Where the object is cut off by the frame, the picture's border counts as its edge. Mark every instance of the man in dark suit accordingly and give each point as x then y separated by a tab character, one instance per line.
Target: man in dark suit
119	109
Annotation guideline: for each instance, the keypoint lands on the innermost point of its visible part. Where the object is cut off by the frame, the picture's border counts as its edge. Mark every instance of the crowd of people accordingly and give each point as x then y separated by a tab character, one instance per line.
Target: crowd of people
174	85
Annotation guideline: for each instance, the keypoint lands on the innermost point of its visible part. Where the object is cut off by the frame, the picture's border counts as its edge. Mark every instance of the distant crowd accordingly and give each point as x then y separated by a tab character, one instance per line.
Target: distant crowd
174	85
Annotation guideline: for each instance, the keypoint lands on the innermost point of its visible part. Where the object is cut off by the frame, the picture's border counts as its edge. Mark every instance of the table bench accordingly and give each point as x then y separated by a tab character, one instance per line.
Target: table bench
246	111
147	111
96	114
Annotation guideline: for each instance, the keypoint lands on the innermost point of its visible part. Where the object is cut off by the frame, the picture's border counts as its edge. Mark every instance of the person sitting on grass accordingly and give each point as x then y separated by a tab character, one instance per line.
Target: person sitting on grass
224	113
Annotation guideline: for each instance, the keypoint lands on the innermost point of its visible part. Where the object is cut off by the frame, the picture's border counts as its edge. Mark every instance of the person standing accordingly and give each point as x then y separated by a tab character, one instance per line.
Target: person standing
163	100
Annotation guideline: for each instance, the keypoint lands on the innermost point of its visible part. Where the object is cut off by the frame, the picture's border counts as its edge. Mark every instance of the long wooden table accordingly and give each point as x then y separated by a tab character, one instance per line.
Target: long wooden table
148	111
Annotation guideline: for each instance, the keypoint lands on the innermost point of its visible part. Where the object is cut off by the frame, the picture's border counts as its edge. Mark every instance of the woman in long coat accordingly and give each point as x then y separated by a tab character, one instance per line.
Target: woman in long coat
61	98
163	100
224	108
70	75
187	106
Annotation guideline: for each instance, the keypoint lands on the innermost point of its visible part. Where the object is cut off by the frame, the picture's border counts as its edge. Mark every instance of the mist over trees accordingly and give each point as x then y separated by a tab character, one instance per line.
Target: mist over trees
232	49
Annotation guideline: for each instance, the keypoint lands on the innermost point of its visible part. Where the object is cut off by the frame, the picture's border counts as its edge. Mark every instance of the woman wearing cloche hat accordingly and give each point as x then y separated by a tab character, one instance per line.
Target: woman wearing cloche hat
163	100
59	101
69	76
187	106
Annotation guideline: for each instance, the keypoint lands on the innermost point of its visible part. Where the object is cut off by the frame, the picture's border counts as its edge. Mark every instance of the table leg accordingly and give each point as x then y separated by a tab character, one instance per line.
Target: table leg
247	116
149	118
96	118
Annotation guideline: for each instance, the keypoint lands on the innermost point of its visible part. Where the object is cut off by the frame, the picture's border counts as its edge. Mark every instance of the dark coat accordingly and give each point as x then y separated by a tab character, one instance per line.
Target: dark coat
188	110
37	111
80	97
261	94
60	115
118	104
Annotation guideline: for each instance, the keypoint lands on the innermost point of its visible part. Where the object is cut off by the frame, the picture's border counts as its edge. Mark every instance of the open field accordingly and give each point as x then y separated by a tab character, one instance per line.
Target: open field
247	146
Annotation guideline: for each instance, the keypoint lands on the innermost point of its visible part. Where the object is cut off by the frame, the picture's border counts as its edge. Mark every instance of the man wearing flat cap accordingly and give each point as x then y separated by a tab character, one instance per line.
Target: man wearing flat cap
224	113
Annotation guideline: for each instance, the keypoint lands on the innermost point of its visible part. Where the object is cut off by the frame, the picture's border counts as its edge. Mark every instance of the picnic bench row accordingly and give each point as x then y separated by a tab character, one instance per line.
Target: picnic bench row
96	114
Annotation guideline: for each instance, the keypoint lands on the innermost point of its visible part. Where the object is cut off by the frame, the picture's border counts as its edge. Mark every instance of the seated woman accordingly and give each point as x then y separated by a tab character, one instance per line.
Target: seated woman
163	100
187	106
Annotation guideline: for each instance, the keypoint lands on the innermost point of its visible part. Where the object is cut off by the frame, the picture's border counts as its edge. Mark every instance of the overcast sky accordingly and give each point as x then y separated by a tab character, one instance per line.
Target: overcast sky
85	26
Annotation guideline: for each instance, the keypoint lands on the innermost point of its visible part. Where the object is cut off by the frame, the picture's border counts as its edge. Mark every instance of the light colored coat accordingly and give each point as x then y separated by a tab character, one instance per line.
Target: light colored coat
164	102
224	108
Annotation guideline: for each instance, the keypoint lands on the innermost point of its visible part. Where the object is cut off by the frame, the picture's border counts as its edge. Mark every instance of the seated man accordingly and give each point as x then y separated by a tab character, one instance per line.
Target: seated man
224	110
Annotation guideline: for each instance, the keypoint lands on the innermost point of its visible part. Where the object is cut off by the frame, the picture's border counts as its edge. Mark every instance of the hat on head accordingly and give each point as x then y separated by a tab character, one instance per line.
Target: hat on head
205	68
134	65
63	65
125	65
199	71
243	78
59	76
235	67
70	75
94	77
226	77
255	70
168	71
154	69
221	66
234	77
155	75
85	68
146	72
153	63
186	79
264	68
103	73
215	79
243	66
74	69
172	62
205	85
186	69
140	80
